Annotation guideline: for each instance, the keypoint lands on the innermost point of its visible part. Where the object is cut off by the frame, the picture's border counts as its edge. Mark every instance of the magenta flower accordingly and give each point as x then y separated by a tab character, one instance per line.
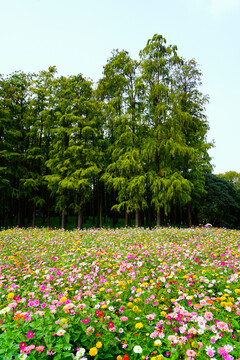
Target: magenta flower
110	324
22	345
30	335
86	320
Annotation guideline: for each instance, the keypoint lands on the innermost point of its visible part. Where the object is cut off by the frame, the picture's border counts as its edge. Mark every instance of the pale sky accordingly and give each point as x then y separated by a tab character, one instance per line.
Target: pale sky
78	36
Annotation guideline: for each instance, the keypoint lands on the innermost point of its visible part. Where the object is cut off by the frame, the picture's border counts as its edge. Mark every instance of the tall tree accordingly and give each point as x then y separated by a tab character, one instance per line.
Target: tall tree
166	140
189	109
16	141
121	89
73	157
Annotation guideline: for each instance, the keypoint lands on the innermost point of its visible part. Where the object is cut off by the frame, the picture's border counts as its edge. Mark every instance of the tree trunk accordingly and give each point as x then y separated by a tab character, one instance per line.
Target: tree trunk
80	218
158	218
100	213
34	216
20	215
99	205
48	215
149	218
137	217
189	214
126	218
63	221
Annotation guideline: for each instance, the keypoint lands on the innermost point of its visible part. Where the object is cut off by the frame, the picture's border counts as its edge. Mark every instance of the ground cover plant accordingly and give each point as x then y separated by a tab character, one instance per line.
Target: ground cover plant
120	294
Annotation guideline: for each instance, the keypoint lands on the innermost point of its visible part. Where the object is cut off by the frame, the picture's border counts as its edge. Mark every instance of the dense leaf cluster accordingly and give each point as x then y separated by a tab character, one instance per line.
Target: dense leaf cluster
133	144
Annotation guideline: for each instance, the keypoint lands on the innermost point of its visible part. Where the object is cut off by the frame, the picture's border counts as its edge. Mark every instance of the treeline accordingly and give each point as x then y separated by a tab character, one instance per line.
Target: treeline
133	145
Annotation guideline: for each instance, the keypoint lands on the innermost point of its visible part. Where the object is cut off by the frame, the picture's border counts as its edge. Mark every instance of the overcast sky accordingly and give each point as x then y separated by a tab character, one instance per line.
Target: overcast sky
78	36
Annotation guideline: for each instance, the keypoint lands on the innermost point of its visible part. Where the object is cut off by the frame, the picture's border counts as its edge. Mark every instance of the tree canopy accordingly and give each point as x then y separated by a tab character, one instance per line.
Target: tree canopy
134	144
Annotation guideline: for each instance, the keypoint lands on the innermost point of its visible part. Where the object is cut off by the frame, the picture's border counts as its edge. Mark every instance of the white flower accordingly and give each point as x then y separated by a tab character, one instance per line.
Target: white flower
5	310
209	347
137	349
80	353
22	356
228	348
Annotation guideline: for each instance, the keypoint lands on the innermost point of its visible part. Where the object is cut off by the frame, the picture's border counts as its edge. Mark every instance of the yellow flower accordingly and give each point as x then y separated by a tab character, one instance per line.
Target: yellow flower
10	296
119	357
135	308
99	344
139	325
63	299
93	351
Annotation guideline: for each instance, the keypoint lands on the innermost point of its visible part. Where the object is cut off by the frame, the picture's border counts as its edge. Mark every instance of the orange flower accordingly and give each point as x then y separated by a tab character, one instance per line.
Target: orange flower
19	316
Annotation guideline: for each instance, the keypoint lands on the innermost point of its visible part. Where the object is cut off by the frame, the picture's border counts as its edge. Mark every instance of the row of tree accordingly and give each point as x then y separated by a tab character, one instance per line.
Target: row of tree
134	143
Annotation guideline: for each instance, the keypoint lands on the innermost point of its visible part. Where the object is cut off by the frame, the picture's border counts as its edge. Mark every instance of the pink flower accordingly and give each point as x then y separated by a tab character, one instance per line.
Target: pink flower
61	332
27	350
40	348
30	335
208	316
123	318
36	302
51	352
190	353
151	316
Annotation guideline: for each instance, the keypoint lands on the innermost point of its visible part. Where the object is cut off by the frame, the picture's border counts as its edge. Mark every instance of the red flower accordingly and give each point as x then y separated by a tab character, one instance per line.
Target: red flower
125	357
22	345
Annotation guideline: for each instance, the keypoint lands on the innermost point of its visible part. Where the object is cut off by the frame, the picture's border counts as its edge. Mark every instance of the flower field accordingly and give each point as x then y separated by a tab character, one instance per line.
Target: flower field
120	294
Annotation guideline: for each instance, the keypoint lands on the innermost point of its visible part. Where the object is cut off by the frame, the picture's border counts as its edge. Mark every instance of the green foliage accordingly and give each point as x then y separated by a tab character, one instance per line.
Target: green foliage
232	177
135	143
221	205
